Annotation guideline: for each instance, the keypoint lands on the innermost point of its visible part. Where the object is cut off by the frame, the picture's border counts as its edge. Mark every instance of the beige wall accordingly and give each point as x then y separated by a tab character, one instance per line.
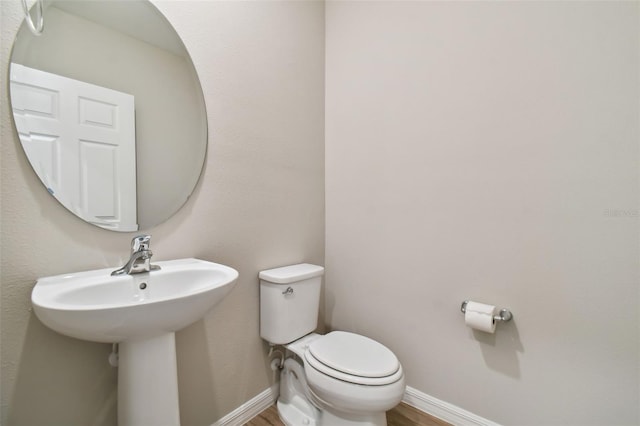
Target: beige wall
259	204
489	150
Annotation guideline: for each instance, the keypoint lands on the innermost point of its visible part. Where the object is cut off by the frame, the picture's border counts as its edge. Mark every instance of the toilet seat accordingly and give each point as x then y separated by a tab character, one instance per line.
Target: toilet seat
354	359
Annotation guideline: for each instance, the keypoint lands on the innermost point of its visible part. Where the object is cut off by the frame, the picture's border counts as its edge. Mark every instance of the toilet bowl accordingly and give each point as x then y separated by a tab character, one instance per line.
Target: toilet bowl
337	379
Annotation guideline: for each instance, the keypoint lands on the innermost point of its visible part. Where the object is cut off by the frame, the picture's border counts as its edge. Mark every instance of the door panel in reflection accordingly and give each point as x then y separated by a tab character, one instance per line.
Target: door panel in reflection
81	140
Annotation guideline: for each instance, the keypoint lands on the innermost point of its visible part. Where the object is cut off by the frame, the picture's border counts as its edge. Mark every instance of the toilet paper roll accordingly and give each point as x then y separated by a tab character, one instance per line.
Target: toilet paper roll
480	316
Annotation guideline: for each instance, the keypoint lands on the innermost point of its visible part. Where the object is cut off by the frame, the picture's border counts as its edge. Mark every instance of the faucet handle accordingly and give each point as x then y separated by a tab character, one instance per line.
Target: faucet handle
141	242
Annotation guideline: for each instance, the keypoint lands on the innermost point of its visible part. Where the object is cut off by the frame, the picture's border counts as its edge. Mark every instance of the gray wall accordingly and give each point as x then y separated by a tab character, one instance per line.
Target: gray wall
489	150
259	204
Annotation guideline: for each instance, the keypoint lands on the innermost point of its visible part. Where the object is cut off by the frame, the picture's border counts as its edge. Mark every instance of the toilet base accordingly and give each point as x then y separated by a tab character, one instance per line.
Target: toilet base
292	415
295	408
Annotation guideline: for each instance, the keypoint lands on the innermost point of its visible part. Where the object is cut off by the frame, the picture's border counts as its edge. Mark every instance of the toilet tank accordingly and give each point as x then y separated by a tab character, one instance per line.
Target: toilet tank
289	302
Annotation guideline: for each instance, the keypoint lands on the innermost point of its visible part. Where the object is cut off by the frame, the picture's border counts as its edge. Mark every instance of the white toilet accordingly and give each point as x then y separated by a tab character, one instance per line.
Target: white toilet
338	379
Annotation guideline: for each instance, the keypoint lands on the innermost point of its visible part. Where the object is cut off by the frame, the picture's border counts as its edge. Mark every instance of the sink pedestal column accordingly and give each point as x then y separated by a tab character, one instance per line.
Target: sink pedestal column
148	382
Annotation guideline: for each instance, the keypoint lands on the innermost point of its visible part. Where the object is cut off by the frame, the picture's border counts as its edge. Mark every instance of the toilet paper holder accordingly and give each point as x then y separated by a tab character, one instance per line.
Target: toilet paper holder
504	315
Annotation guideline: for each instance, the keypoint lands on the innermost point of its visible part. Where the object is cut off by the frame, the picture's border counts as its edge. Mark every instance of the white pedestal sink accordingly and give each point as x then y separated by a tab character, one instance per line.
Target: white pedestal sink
141	312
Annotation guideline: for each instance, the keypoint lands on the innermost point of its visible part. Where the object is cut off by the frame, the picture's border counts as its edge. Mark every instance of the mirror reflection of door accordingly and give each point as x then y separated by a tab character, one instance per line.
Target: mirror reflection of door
80	138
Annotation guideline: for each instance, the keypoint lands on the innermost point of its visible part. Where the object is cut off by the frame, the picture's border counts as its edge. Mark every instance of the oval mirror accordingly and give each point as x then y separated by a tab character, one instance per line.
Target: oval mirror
109	110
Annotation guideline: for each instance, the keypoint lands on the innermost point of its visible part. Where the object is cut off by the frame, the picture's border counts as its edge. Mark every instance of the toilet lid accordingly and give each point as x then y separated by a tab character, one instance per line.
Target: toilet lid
354	355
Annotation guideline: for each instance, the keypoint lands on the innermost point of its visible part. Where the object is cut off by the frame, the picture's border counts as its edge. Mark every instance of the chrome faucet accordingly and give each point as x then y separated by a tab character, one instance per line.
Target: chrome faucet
140	259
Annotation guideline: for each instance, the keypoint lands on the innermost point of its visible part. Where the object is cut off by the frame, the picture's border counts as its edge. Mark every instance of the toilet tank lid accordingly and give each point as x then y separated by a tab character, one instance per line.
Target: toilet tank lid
290	274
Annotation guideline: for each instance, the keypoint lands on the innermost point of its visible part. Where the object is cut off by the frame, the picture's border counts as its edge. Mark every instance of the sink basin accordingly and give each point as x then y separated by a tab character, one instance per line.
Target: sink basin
95	306
141	312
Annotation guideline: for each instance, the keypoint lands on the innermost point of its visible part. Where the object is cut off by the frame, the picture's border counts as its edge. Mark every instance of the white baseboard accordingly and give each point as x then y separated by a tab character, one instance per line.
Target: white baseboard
443	410
423	402
251	408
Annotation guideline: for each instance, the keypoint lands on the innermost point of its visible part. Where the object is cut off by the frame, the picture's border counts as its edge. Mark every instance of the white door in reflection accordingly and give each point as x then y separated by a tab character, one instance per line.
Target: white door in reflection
80	139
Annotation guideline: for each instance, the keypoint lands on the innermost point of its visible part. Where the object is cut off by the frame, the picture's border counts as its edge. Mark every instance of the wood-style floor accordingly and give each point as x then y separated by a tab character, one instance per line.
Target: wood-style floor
401	415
